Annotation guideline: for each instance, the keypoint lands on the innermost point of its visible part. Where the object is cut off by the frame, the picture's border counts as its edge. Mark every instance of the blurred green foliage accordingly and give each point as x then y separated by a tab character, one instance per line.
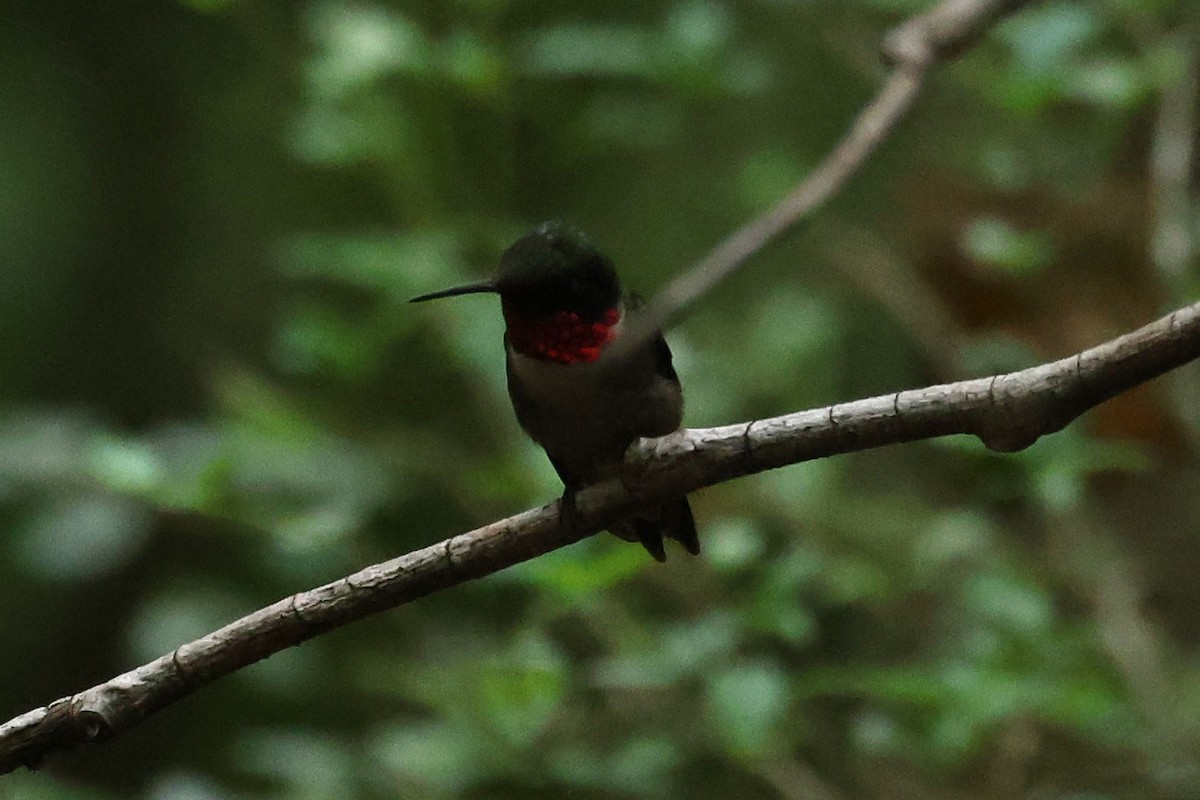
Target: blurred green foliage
215	395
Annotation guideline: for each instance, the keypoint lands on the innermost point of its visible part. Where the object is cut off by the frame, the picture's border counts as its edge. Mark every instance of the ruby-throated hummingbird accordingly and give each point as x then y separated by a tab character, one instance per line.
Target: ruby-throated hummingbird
563	306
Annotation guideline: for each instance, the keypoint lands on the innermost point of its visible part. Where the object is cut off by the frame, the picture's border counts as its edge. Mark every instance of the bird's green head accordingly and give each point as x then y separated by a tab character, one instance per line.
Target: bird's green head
553	268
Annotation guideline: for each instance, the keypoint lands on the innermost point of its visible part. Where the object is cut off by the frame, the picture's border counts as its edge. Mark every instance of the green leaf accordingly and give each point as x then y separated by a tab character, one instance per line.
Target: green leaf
82	536
433	754
579	572
520	692
682	651
127	466
733	543
571	50
746	703
1044	39
1110	82
698	28
361	43
1012	603
312	765
640	766
996	243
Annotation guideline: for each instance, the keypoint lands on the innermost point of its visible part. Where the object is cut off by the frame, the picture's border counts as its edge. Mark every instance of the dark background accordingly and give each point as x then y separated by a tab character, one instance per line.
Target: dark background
214	394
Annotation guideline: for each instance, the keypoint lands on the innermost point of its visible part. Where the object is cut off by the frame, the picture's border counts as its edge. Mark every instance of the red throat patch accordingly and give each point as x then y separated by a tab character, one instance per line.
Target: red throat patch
563	337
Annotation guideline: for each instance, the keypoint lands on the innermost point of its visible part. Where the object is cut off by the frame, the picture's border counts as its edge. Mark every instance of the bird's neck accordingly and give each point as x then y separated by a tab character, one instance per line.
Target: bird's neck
562	337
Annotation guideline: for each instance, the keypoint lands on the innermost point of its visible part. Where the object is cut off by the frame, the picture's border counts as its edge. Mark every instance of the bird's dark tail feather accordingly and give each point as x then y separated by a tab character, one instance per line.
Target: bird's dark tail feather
673	521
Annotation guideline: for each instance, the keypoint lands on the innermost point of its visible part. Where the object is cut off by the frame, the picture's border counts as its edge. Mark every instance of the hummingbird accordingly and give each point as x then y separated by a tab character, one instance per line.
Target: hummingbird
563	306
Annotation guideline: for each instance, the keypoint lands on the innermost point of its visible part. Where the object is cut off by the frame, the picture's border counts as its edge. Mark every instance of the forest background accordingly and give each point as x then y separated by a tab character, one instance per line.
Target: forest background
215	395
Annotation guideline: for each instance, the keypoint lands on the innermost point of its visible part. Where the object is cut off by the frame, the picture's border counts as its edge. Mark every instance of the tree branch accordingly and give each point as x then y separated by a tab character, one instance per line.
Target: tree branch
942	32
1006	412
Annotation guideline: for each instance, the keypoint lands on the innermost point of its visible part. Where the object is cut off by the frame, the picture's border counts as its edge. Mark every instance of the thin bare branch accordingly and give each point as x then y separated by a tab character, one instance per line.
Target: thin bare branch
942	32
1006	412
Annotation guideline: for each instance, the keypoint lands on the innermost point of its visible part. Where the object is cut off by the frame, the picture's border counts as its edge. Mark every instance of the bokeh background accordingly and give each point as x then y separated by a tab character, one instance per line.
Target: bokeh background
214	394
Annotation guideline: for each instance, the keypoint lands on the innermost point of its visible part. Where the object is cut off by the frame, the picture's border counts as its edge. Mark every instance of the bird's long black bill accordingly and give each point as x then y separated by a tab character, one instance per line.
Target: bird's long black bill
470	288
